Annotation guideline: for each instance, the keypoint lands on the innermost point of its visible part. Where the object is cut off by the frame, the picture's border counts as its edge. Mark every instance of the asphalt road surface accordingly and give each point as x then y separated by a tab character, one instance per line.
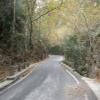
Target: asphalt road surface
49	81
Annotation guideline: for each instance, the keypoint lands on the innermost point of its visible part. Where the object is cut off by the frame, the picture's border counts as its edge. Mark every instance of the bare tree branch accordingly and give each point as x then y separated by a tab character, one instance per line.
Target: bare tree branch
48	11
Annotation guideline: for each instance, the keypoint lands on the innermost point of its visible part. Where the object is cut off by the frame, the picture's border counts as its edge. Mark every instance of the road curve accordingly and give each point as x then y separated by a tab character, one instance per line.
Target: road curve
49	81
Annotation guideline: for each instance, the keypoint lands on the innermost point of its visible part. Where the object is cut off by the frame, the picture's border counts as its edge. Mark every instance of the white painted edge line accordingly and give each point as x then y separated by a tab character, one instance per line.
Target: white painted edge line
77	81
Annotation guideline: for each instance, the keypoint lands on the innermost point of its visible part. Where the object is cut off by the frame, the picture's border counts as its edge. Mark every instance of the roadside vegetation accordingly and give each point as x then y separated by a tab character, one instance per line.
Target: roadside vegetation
31	29
20	38
81	48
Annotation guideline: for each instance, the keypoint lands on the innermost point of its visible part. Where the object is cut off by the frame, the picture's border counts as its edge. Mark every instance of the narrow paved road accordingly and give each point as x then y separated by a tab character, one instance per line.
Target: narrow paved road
49	81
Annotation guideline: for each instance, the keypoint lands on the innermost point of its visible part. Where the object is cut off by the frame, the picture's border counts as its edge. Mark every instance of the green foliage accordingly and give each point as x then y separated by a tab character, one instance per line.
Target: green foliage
34	28
17	31
80	19
56	50
75	54
5	23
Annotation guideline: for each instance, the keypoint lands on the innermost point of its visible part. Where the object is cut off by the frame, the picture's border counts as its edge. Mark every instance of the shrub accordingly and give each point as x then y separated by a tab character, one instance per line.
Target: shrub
75	53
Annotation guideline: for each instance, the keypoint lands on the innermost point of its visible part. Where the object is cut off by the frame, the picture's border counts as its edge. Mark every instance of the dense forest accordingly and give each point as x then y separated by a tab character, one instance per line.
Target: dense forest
20	38
31	29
